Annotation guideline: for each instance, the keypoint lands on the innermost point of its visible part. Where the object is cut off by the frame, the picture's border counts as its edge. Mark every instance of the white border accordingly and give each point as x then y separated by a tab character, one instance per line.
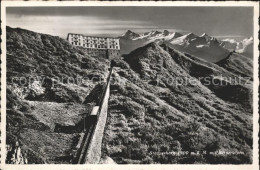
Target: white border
253	166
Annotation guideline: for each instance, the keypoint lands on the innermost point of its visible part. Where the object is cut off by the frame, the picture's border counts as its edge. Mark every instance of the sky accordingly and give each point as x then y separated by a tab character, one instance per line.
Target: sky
221	22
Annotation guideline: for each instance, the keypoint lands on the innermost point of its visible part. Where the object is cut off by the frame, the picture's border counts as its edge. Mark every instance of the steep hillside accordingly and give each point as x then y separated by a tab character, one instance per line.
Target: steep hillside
154	110
238	64
217	79
163	104
44	92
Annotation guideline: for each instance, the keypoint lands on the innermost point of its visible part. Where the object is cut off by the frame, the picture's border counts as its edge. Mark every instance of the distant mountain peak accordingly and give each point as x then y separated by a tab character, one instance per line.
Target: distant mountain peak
176	34
247	41
166	32
204	35
129	31
156	32
153	32
229	40
130	35
189	34
250	38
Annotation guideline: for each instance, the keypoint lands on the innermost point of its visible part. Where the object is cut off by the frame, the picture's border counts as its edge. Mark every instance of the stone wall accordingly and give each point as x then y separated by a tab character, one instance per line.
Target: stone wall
97	52
113	54
94	150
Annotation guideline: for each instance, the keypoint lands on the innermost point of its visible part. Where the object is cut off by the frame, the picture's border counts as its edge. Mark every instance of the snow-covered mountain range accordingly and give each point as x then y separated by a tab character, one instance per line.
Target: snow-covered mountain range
203	46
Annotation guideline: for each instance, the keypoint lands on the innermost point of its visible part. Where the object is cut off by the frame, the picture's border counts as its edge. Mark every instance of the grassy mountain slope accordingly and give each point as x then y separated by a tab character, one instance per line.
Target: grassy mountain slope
238	64
225	84
154	109
150	115
43	94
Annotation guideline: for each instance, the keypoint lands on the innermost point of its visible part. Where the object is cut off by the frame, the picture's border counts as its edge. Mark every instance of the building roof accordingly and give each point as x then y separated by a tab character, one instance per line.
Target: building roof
91	36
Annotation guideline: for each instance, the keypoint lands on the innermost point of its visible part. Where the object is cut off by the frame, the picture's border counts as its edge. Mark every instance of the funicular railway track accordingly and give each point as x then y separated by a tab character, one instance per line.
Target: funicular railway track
91	123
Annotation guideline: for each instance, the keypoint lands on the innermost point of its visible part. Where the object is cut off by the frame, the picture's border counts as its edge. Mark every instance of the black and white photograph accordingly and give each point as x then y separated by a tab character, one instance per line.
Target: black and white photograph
130	84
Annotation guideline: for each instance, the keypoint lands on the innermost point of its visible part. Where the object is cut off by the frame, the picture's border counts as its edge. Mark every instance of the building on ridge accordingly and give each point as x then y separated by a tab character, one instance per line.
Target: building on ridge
106	47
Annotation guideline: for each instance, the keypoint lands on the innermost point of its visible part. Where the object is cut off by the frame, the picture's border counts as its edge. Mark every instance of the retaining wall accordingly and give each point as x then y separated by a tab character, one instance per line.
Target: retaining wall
94	150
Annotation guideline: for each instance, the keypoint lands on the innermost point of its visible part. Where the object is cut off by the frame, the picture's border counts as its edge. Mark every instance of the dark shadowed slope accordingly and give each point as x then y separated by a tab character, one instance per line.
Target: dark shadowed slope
36	104
238	64
224	84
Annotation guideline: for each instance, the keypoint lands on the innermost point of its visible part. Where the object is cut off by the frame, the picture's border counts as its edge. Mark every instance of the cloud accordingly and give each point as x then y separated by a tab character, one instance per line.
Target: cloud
61	25
92	25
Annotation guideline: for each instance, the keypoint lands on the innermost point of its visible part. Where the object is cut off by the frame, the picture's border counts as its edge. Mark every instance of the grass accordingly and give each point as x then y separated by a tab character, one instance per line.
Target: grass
146	120
35	110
